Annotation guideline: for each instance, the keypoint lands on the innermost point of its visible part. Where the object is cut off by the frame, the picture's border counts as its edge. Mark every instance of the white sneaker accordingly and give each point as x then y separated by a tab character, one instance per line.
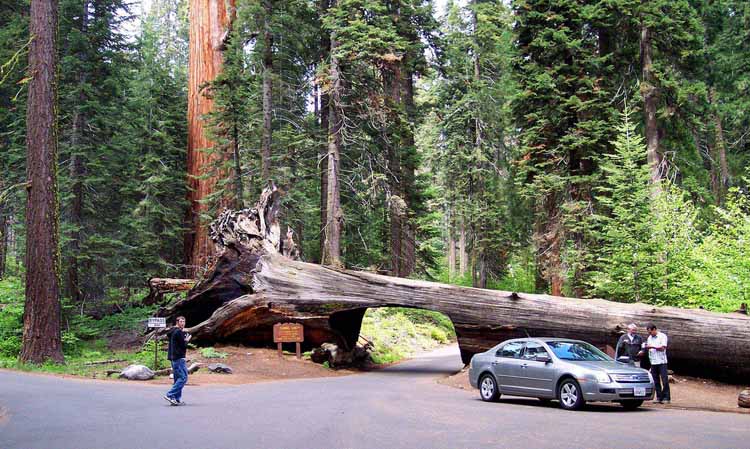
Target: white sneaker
172	401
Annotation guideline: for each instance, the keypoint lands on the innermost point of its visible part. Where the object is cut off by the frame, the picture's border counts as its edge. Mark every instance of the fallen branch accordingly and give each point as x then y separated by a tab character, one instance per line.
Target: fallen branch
104	362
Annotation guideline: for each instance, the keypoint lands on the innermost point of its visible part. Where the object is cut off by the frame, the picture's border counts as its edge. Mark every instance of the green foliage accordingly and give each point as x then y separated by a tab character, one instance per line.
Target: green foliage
720	269
146	355
11	317
211	353
630	250
396	332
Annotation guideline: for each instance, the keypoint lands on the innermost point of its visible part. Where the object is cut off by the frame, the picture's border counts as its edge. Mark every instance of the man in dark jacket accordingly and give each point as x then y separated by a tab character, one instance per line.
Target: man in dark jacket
631	345
178	340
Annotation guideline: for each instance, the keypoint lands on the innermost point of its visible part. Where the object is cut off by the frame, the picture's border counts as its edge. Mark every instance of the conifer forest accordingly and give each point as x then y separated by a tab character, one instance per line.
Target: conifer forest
580	148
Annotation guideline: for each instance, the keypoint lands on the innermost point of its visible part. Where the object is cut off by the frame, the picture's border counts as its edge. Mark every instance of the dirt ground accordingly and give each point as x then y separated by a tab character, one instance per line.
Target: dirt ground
252	365
688	393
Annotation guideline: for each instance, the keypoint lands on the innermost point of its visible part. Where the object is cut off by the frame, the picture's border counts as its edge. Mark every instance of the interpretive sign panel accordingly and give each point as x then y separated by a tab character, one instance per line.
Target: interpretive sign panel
288	333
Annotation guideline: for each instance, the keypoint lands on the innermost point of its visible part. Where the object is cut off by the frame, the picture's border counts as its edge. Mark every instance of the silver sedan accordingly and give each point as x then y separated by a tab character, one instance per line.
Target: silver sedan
571	371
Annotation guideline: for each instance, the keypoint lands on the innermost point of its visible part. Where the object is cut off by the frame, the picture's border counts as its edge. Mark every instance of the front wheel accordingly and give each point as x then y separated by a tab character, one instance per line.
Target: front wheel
570	395
631	405
488	388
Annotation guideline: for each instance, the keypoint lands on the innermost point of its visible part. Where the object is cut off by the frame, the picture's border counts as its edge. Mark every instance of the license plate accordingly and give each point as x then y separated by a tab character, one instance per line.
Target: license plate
640	391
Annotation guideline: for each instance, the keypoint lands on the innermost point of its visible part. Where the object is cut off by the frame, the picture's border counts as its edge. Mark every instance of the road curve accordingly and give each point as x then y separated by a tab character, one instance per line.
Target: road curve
399	407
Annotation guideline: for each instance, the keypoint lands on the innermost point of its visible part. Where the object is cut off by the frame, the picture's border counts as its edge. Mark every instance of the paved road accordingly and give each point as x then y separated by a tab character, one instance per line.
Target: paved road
401	407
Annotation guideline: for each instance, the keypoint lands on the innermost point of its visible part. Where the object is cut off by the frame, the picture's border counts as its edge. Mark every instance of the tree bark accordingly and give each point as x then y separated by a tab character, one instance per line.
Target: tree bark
265	171
252	287
389	135
323	164
41	319
719	158
650	94
210	22
323	104
548	239
451	244
408	163
463	256
335	216
3	241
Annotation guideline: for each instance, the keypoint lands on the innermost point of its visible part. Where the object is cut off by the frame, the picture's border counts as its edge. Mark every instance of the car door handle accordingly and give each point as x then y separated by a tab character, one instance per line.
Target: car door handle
524	365
495	363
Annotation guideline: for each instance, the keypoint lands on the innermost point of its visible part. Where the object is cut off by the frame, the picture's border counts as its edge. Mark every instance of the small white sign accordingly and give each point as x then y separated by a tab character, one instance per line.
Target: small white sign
157	322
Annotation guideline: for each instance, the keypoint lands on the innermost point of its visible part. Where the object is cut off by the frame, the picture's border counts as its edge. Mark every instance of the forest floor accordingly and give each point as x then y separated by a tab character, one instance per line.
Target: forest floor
688	393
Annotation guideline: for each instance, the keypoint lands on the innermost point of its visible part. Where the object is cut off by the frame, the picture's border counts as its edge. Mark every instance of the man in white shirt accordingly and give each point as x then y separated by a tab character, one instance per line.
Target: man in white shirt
656	344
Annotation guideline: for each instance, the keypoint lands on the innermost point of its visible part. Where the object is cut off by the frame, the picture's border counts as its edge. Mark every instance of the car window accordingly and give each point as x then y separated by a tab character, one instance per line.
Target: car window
573	350
511	350
532	350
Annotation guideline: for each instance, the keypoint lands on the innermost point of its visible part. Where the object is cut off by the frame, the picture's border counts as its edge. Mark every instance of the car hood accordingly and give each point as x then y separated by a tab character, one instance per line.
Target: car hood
609	367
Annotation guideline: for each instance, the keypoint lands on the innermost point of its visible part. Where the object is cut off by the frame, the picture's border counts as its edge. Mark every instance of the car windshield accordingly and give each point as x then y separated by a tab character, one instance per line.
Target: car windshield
577	350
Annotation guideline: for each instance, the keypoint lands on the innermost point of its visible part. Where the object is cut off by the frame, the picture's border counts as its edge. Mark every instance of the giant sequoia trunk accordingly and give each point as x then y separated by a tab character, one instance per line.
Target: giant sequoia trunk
210	22
255	285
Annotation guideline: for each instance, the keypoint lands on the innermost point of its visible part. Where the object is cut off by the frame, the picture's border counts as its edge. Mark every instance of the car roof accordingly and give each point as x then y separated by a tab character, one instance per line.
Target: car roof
543	339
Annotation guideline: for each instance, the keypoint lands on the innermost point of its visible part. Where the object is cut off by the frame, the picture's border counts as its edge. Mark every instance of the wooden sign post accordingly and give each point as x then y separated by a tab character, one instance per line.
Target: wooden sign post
288	333
156	323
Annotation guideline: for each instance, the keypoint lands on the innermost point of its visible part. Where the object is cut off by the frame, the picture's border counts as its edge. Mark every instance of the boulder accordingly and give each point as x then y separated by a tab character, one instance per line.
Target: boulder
219	368
137	372
743	400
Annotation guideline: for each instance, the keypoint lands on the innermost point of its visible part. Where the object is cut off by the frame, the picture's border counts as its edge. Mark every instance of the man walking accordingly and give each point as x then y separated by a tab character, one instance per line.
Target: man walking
178	340
631	345
656	344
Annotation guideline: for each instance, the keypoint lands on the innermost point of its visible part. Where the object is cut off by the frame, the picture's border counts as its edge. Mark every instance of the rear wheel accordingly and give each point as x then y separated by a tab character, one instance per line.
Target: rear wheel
488	388
631	405
570	395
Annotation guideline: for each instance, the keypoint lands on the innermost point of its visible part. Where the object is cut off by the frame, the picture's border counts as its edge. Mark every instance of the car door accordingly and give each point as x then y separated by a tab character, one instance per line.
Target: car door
507	366
537	378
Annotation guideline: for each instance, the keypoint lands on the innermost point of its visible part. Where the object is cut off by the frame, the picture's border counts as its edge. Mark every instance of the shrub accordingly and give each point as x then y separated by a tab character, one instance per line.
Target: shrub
211	353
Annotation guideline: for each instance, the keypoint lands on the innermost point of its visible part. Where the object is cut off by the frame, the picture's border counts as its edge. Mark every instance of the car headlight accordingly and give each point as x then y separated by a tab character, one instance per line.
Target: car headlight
650	378
603	378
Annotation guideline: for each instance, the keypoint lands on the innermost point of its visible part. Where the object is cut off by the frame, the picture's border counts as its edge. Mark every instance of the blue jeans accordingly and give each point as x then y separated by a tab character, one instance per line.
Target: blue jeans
179	370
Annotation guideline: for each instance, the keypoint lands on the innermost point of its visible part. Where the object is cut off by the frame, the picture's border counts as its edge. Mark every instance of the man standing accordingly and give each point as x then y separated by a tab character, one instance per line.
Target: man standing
656	344
631	345
178	340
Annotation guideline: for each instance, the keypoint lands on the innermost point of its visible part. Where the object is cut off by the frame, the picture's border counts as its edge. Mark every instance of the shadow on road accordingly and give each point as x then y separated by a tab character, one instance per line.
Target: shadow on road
416	370
591	408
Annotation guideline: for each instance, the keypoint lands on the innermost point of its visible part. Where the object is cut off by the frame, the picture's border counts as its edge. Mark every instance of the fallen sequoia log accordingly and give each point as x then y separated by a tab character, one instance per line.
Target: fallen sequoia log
157	287
253	285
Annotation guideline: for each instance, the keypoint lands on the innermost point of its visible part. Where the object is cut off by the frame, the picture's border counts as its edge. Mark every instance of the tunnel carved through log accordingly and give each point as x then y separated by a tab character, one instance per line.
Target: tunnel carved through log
254	284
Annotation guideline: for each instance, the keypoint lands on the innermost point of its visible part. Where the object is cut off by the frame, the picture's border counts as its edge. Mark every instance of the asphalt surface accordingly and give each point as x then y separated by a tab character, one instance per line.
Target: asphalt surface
400	407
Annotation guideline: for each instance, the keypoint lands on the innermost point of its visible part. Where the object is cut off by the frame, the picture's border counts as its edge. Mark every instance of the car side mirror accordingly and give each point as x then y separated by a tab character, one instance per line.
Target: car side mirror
623	359
543	358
